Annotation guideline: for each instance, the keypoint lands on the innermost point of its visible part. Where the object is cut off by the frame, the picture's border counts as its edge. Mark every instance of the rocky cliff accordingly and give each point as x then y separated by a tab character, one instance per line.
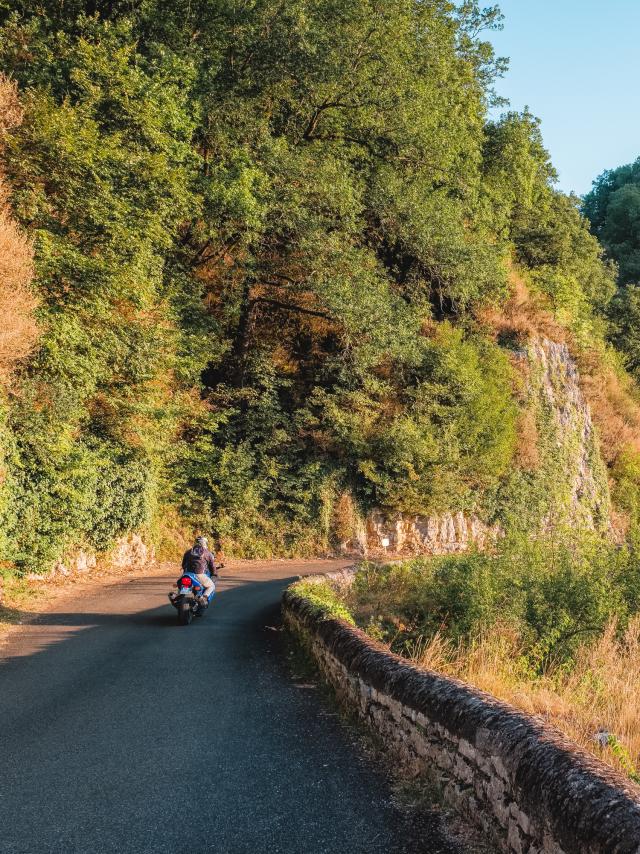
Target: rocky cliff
568	482
130	551
558	479
445	533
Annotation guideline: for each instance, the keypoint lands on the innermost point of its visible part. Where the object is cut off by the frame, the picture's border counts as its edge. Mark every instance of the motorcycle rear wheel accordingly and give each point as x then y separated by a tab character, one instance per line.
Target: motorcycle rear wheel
185	614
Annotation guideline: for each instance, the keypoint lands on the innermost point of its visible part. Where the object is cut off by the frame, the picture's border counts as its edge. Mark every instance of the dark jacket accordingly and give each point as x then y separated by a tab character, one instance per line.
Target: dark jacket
198	560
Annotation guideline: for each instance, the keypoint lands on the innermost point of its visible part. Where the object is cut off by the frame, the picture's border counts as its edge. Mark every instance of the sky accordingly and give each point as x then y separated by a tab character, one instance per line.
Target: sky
576	65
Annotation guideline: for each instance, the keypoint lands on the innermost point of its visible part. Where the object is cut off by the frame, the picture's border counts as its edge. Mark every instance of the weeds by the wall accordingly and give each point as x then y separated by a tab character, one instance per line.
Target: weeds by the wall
552	626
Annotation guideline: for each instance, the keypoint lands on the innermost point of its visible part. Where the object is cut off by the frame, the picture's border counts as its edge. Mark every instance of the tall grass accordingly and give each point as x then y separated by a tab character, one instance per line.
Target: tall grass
594	702
549	624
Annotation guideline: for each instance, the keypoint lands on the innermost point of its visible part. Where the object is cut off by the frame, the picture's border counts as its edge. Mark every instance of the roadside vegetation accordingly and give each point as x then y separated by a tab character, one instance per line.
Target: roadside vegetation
282	263
553	631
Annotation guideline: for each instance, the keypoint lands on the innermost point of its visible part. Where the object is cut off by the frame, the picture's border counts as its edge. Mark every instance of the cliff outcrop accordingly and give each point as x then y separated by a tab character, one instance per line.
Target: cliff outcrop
559	479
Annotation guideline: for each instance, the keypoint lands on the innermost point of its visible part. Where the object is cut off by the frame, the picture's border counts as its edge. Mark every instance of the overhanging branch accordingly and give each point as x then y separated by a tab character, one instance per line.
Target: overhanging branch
291	307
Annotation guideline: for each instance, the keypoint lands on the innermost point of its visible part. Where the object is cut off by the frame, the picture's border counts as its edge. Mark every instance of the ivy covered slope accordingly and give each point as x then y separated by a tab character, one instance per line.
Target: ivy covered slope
286	272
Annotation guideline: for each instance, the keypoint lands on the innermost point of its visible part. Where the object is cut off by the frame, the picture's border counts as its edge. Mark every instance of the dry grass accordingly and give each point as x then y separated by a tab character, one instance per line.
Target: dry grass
344	522
523	316
613	398
11	113
595	703
18	330
527	451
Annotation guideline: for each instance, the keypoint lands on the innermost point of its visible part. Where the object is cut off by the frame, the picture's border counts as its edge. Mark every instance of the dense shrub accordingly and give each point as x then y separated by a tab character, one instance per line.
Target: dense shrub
554	593
613	209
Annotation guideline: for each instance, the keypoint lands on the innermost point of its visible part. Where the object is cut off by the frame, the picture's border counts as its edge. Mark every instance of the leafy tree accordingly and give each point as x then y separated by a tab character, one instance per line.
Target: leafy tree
613	208
264	235
101	169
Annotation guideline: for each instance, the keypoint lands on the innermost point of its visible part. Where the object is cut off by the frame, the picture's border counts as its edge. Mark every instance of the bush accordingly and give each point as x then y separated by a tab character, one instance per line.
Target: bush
323	599
553	594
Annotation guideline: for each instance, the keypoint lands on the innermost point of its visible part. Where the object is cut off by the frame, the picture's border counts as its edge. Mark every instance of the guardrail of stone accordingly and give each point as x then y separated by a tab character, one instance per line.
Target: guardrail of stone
528	788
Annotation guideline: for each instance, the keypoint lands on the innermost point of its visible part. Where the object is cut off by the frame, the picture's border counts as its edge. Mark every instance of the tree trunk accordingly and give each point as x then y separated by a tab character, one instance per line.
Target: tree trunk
241	341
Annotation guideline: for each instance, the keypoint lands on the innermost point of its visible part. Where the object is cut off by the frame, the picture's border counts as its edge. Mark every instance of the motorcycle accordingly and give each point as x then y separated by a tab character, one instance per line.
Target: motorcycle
188	598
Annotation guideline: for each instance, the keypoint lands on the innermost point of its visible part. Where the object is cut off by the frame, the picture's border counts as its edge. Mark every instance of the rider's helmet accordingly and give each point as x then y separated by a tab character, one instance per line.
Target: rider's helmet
202	541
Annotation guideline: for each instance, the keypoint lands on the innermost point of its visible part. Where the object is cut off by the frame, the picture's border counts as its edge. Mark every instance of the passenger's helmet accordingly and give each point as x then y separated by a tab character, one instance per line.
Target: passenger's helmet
202	541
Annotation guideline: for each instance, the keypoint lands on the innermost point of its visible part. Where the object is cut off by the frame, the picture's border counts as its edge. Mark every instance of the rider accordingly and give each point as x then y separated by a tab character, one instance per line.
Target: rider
198	560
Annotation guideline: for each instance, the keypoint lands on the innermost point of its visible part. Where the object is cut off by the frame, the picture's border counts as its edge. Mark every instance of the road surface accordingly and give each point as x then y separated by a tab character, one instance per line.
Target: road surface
122	732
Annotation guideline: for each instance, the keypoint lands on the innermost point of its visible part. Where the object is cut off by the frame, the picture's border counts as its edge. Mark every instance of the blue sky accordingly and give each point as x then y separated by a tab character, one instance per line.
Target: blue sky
576	64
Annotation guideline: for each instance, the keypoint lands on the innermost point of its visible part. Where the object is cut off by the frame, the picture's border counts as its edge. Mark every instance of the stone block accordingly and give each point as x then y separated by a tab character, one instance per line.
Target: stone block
466	749
514	843
499	767
524	822
463	771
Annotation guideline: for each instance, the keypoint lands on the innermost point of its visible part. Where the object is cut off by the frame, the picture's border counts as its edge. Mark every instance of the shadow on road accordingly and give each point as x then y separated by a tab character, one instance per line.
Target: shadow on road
101	708
43	630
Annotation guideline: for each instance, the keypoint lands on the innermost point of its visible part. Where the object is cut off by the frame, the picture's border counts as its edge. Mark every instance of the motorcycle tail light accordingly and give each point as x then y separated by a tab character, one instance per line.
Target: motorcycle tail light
185	581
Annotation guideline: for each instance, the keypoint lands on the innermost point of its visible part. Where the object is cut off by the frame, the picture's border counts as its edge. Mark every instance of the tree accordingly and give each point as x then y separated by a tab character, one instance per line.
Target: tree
613	208
264	234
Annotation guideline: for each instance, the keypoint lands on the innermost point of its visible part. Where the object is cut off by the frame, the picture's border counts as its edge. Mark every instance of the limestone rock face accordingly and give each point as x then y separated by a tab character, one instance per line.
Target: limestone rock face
446	533
565	484
81	561
577	486
130	551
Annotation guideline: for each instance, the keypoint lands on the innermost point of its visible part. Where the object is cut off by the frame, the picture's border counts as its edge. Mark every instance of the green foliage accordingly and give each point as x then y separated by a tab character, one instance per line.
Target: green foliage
554	592
613	208
433	441
101	170
263	241
516	170
323	599
622	755
624	314
566	262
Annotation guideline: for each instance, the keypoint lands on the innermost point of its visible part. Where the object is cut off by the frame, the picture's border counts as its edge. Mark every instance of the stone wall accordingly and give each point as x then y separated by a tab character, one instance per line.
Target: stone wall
525	786
129	551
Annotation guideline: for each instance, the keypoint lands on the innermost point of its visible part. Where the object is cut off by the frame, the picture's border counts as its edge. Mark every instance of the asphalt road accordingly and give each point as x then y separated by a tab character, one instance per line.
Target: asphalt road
121	731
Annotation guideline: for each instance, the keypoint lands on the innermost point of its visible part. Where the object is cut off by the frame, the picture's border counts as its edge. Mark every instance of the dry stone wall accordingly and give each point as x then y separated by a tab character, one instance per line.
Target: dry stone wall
529	789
